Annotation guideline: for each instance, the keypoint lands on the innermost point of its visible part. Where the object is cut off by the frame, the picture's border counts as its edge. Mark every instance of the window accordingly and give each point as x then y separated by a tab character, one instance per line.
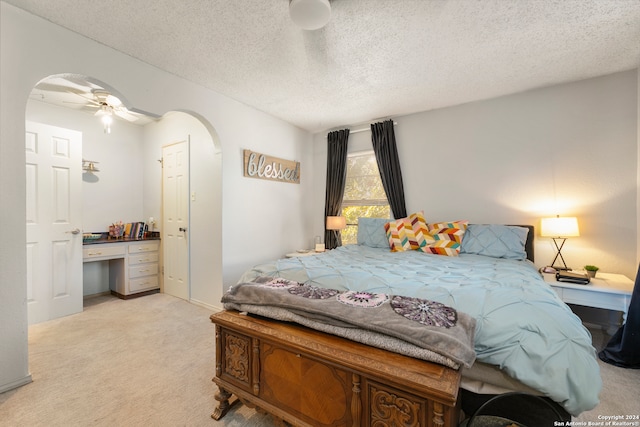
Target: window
364	195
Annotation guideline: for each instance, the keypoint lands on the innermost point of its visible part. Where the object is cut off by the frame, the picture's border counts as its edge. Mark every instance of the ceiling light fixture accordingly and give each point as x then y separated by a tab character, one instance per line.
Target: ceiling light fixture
310	14
106	117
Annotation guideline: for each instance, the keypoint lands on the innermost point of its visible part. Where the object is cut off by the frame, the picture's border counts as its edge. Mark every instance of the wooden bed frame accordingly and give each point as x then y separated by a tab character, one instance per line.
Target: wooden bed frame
308	378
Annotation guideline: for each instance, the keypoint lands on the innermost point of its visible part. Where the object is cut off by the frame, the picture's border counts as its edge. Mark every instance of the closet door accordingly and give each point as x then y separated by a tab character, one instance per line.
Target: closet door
54	221
175	219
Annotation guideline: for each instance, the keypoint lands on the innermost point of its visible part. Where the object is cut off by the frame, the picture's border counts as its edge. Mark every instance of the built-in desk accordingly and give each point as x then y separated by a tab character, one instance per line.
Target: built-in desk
133	264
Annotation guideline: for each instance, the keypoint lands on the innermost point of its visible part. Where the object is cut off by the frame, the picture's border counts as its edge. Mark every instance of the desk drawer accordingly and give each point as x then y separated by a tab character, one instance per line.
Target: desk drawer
143	247
143	258
143	270
143	283
103	250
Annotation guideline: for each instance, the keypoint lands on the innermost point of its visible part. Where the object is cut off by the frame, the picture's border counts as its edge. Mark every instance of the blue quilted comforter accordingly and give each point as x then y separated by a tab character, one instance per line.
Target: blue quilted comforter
522	326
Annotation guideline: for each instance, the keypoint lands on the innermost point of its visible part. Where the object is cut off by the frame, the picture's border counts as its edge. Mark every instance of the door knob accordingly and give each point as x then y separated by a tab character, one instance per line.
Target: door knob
74	231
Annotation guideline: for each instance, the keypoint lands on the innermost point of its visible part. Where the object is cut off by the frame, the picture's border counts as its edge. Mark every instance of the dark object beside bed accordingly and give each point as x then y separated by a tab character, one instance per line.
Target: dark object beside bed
623	349
517	409
535	410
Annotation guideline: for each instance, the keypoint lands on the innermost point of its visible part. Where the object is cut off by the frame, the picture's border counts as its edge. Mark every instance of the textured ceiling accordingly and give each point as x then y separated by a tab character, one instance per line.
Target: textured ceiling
375	58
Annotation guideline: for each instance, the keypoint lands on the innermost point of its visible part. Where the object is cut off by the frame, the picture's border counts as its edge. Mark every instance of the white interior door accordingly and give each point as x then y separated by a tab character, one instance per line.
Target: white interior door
175	218
54	217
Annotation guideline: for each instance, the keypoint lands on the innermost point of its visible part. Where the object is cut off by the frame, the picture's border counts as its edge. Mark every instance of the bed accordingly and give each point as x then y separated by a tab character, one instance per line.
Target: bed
524	337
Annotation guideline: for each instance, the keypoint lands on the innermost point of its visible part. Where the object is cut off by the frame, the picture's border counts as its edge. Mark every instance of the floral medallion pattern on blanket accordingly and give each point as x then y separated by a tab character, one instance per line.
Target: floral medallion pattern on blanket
429	313
313	292
362	299
280	283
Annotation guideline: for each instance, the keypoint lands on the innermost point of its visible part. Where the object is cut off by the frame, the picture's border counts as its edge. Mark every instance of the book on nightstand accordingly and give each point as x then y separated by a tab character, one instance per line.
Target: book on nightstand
571	277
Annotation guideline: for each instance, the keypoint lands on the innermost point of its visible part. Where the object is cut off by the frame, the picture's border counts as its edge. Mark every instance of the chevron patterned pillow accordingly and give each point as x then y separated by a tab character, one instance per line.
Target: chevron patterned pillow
408	233
444	238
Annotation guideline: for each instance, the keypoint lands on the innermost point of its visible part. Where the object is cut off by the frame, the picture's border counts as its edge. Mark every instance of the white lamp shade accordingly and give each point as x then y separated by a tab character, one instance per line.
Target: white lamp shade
559	227
310	14
336	222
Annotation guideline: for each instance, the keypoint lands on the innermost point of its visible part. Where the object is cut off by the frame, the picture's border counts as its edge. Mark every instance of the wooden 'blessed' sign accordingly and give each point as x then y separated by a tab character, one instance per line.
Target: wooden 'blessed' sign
261	166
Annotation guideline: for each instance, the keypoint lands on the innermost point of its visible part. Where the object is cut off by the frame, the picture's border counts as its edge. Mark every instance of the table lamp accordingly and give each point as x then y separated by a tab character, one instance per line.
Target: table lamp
559	229
335	224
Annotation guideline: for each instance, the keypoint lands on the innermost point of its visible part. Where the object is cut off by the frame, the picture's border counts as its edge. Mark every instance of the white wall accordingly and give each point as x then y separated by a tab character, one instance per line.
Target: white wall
276	216
570	149
261	219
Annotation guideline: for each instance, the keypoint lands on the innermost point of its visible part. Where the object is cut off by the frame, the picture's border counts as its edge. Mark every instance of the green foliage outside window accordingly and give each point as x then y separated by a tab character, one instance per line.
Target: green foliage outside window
364	194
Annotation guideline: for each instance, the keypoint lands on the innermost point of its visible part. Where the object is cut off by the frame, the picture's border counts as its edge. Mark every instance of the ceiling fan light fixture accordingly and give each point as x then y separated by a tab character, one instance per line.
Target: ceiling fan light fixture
310	14
106	117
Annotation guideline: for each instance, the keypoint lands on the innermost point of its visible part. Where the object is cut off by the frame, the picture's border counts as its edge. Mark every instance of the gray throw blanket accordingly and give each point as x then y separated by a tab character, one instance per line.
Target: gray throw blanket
414	327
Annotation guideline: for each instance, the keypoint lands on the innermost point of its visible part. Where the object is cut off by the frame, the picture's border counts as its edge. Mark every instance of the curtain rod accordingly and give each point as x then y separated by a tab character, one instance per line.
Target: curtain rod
365	129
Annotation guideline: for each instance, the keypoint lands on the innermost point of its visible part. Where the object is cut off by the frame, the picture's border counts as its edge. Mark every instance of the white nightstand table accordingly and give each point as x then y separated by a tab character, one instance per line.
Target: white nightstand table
607	290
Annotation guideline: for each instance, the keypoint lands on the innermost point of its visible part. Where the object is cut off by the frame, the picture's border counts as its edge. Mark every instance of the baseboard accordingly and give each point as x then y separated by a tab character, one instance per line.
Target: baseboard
136	295
15	384
205	305
99	294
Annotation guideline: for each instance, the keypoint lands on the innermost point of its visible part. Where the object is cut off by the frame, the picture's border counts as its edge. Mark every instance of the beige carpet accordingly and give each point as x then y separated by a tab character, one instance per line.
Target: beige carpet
149	362
142	362
620	393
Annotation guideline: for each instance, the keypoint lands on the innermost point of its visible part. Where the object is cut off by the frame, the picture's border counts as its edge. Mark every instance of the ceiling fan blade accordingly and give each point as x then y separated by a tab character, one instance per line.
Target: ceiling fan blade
50	87
127	115
89	98
78	80
89	103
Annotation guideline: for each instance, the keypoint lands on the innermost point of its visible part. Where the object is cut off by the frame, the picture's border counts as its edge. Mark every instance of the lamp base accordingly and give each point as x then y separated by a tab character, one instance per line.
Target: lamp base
559	255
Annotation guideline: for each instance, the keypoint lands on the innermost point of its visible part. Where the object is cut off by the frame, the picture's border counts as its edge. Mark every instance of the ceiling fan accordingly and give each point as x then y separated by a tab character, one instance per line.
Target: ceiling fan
77	92
107	106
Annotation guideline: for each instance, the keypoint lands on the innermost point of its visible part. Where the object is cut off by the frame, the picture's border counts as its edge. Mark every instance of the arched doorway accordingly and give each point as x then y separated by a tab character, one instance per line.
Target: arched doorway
125	184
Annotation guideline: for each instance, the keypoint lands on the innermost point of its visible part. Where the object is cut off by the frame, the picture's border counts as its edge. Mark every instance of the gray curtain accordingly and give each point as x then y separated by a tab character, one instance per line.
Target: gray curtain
336	177
623	349
384	146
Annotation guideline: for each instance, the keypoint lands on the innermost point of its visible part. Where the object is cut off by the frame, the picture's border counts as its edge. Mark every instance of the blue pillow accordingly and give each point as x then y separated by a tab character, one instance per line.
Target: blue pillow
371	232
497	241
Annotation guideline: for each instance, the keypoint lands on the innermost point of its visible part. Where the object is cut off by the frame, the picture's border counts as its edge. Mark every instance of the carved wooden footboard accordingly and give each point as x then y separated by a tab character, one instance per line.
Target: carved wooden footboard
309	378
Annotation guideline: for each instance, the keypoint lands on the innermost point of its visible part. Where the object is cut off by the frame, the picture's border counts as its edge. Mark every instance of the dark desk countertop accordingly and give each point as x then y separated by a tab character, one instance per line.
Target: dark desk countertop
106	239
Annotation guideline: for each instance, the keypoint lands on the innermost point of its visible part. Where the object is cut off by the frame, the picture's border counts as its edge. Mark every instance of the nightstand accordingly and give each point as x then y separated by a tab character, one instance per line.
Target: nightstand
299	254
607	290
